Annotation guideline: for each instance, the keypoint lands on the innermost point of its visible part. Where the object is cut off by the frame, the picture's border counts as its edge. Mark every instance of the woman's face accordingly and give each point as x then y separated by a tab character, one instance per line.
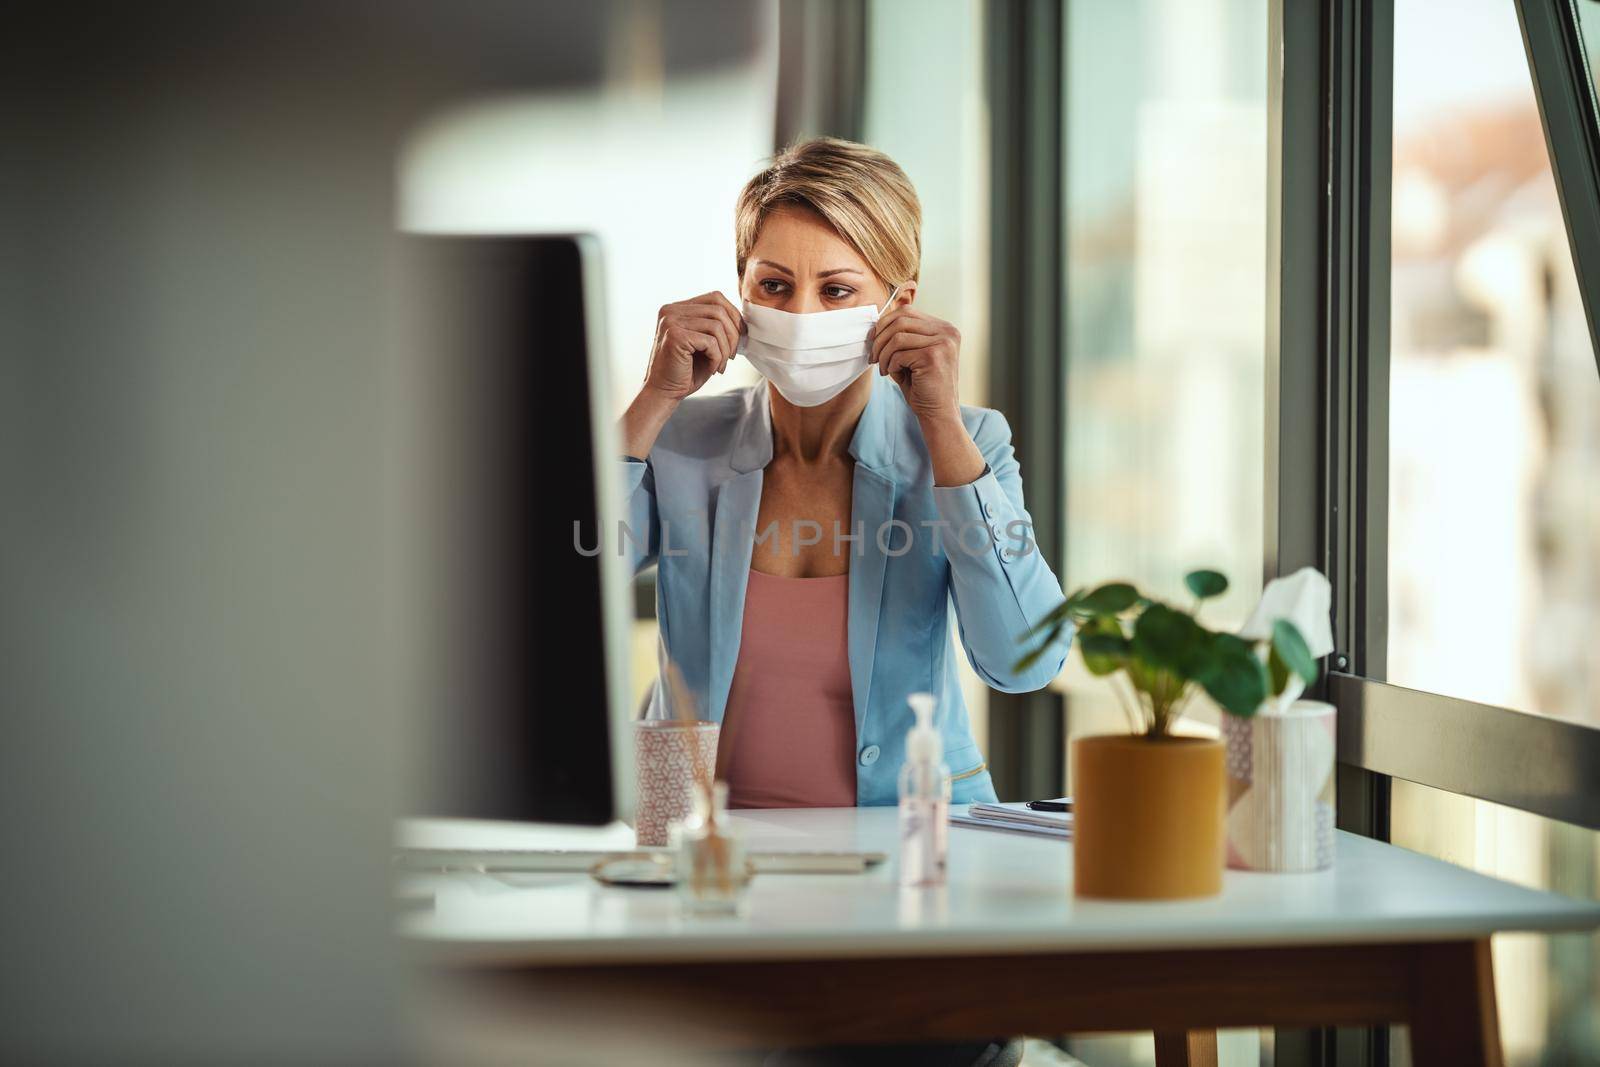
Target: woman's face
799	264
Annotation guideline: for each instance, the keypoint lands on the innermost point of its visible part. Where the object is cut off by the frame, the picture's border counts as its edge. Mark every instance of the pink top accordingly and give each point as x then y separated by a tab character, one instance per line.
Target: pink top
789	731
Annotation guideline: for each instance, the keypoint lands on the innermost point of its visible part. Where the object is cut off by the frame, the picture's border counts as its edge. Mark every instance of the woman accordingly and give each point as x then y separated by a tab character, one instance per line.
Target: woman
811	531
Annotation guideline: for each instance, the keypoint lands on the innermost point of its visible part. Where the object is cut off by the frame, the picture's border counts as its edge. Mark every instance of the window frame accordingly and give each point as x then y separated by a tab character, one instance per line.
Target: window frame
1535	763
1327	457
1330	117
1026	87
1563	86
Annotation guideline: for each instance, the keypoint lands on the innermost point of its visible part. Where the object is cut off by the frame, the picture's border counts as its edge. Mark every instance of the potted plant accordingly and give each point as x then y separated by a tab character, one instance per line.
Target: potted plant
1148	806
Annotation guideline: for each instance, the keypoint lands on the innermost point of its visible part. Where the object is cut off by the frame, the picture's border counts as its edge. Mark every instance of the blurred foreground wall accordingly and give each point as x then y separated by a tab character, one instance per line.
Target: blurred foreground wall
201	742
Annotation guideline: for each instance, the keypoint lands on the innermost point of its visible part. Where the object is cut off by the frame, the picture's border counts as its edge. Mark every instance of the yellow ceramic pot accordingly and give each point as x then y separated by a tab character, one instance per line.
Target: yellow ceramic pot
1148	817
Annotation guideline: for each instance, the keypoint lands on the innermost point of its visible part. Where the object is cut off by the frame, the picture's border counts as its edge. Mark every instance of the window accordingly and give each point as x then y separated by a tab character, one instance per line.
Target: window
652	162
1494	446
1548	987
1164	130
1494	473
1166	211
937	130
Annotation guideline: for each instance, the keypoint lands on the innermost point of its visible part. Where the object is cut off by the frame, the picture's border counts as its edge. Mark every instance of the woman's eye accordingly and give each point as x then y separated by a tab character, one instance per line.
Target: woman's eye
771	287
837	292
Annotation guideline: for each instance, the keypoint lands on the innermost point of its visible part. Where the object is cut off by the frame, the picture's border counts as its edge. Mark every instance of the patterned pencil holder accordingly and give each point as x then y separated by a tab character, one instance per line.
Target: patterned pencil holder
1281	788
669	754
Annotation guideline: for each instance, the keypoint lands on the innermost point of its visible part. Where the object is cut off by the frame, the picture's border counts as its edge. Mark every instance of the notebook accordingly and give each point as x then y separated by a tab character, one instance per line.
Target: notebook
1014	818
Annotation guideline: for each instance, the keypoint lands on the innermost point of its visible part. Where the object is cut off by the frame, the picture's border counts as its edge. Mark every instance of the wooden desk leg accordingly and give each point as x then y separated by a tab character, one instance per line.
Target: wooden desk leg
1453	1015
1192	1048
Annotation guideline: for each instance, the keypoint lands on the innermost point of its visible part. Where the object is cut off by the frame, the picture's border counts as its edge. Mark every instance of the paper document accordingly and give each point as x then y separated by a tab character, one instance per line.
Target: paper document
1014	818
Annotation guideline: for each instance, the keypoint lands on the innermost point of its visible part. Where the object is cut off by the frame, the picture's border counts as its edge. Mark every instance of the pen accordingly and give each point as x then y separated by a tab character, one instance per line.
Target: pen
1050	805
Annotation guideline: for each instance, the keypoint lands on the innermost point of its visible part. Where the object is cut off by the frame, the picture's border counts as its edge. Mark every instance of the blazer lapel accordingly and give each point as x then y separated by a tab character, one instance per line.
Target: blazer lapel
871	505
732	542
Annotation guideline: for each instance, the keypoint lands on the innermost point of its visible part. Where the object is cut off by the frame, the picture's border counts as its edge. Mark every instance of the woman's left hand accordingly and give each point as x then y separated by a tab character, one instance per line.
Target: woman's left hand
922	353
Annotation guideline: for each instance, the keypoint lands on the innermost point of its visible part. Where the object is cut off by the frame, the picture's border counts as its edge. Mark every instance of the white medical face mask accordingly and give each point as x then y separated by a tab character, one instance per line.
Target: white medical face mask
810	359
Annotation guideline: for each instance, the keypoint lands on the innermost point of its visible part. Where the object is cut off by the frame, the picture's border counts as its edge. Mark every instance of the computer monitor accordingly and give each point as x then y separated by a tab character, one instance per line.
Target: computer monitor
523	639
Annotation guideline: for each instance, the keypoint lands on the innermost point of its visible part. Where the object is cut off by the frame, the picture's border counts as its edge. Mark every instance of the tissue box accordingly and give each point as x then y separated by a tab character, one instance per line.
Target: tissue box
1281	788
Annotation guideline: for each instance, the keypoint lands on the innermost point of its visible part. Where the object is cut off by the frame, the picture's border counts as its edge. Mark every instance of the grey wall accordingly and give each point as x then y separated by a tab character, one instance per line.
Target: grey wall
201	744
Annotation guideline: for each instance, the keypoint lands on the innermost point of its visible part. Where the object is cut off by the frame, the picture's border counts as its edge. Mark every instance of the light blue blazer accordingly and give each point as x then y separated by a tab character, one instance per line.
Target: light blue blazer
965	551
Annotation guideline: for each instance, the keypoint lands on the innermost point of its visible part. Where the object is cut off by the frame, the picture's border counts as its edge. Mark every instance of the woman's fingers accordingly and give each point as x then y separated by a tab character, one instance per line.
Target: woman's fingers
718	327
686	342
707	325
707	314
881	330
904	358
901	342
724	310
900	320
732	312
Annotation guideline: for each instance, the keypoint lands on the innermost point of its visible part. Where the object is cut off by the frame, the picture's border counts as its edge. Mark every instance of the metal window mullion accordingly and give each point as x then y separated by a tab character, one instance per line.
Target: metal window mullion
1024	50
1327	365
822	70
1561	85
1295	392
1534	763
1373	257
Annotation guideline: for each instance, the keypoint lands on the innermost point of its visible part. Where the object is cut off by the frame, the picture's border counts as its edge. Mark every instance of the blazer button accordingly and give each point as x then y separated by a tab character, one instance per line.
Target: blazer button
988	510
869	755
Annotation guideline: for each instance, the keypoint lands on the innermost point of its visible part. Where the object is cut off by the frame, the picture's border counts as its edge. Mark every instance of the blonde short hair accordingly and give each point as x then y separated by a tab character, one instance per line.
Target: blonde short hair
859	191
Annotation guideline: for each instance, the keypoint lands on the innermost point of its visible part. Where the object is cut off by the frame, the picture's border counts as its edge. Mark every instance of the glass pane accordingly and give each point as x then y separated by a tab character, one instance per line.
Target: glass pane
1548	987
1166	206
937	130
1494	494
651	161
1165	111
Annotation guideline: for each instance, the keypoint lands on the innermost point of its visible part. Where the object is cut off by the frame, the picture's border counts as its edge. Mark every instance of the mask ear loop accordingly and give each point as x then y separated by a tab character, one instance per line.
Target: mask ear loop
892	294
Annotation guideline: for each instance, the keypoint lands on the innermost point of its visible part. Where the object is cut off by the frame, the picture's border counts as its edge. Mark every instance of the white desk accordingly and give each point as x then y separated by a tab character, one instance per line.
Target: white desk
1386	935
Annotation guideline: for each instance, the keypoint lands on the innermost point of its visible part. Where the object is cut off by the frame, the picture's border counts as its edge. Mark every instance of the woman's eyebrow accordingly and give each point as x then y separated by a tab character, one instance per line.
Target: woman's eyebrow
838	270
779	267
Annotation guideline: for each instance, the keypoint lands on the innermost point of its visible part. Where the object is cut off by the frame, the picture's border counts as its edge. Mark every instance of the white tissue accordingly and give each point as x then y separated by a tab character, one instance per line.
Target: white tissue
1306	599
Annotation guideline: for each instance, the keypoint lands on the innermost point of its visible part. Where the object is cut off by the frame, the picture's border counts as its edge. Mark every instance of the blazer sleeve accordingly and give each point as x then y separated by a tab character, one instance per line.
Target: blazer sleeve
999	579
641	535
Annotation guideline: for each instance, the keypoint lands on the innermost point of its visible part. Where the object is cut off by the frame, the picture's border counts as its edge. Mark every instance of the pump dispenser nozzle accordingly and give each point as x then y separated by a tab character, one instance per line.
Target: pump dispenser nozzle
924	799
923	742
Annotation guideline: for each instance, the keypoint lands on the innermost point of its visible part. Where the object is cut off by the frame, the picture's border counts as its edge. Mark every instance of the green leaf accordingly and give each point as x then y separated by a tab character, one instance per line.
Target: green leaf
1171	640
1291	647
1109	599
1058	614
1277	673
1104	646
1206	584
1145	677
1234	675
1030	657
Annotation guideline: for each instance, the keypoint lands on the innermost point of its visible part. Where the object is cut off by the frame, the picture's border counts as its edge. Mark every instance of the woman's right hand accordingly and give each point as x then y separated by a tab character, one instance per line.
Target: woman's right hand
694	340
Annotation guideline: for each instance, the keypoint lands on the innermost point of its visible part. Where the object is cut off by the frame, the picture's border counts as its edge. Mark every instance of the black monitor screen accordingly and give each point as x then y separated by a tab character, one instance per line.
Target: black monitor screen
516	686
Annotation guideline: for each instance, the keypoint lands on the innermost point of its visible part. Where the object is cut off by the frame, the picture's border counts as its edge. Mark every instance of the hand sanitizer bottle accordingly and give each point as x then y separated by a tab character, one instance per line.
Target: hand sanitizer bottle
924	800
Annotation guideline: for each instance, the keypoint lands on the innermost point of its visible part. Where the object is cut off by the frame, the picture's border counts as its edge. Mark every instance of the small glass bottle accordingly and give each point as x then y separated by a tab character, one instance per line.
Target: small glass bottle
924	800
712	874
